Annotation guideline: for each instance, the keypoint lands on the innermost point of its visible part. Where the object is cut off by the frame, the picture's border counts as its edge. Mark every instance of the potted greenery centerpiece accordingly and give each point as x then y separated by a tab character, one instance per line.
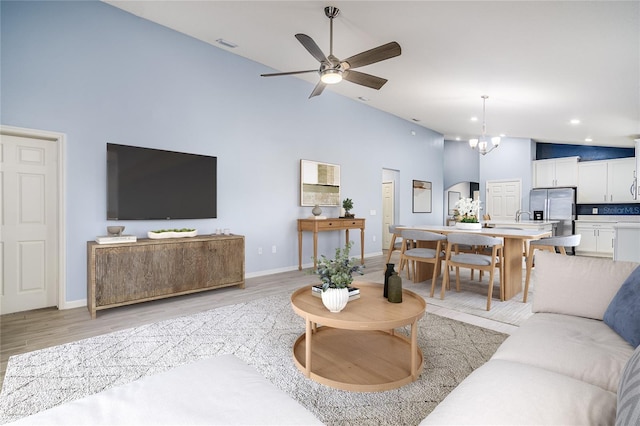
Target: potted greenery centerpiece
336	277
467	211
347	205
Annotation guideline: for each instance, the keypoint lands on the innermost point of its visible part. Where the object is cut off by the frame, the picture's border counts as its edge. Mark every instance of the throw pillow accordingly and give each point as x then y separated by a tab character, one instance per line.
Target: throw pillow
623	313
628	410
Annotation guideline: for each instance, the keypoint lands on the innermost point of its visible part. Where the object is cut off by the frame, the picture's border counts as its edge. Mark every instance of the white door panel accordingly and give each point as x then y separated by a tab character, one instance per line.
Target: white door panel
29	208
503	199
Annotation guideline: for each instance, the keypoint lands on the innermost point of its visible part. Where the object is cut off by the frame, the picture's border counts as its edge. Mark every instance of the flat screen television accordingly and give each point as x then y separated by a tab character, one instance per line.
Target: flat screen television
146	184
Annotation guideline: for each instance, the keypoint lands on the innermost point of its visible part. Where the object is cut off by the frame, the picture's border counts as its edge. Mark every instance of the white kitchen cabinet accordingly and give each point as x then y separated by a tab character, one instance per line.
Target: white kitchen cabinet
555	172
620	180
627	242
607	181
597	239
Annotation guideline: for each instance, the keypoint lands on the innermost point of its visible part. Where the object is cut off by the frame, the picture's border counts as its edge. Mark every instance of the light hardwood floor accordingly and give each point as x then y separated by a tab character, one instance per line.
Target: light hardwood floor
32	330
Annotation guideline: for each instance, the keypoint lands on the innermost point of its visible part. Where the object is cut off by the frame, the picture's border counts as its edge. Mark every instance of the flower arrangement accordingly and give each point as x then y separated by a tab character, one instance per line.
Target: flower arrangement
336	273
467	210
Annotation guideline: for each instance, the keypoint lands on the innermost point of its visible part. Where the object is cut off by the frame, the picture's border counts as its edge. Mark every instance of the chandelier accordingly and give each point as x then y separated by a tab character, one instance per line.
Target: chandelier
482	143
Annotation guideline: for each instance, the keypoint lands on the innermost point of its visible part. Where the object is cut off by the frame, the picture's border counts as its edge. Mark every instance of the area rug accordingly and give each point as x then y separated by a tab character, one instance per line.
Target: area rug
261	333
472	298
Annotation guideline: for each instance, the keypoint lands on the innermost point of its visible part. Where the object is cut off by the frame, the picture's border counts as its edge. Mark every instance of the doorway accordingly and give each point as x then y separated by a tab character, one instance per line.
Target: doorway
503	199
389	203
31	229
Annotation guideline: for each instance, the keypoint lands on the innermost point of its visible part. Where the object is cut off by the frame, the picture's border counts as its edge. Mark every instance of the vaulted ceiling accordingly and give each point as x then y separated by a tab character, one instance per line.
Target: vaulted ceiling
542	63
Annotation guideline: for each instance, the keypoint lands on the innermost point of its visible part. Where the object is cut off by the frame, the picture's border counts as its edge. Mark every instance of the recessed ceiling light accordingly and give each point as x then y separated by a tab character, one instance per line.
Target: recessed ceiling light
474	118
588	140
363	99
502	135
226	43
575	121
457	138
417	120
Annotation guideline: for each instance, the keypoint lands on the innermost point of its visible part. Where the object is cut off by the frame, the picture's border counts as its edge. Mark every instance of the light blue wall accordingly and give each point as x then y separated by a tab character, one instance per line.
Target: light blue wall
461	163
511	161
101	75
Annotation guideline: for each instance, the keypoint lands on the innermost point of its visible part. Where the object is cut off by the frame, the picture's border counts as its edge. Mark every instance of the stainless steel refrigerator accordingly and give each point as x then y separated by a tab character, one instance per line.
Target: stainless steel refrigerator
555	204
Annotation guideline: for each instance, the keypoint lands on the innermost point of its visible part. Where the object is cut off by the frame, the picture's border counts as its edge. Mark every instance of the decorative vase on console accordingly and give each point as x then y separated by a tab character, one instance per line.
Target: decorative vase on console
466	214
336	277
317	211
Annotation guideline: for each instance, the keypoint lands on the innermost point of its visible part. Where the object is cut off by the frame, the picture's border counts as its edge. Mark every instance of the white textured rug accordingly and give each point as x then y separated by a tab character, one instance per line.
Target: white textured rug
261	333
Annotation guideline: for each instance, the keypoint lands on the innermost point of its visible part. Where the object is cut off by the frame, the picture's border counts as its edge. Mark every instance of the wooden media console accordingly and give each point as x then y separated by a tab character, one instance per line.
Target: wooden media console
150	269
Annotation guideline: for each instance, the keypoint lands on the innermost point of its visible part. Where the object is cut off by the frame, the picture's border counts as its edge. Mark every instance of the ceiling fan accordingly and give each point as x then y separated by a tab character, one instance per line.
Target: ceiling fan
332	70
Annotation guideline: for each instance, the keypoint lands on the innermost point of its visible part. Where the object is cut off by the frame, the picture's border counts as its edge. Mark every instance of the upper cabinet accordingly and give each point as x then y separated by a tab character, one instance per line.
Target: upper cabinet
555	172
608	181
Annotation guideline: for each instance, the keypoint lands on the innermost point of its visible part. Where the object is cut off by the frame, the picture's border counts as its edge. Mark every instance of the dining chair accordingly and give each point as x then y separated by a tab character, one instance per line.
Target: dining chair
483	262
396	241
411	253
395	244
552	244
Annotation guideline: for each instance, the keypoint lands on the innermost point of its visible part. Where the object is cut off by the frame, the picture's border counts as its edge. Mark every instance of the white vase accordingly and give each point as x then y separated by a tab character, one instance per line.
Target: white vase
469	225
335	299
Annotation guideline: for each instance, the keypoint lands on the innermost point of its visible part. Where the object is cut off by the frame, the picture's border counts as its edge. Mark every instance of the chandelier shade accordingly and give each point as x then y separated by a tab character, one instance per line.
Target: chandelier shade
481	143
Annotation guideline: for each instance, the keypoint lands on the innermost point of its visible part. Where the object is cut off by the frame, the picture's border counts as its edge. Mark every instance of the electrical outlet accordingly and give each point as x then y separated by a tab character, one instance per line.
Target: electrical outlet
259	250
273	249
372	212
594	210
374	238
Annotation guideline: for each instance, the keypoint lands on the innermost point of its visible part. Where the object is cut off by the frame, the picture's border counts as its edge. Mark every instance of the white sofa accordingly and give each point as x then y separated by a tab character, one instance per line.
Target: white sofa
232	393
563	365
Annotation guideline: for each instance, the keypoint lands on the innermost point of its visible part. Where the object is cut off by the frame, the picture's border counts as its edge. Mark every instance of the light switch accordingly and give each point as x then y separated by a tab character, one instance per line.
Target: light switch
372	212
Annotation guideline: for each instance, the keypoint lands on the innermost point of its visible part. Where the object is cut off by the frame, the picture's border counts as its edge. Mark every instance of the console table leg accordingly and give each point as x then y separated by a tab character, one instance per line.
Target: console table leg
299	250
362	246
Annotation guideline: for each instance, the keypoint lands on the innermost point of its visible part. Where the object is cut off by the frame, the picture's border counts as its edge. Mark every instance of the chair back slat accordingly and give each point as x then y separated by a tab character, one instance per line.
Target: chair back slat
473	239
418	235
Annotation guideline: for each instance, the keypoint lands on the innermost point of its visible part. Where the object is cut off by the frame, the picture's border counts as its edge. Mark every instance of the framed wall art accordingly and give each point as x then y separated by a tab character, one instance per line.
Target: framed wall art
421	196
319	184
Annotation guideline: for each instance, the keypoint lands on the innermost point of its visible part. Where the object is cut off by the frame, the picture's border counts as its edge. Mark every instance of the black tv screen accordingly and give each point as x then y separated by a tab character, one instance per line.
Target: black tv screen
145	183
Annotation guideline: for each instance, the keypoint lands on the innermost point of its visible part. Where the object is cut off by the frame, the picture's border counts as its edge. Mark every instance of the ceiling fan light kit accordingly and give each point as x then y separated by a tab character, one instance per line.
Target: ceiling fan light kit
332	70
482	144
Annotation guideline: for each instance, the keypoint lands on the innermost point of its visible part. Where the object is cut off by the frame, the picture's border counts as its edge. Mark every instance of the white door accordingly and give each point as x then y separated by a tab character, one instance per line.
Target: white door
387	212
28	230
503	199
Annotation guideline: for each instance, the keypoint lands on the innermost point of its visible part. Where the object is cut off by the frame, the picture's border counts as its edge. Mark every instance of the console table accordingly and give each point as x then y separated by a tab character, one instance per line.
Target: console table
321	225
150	269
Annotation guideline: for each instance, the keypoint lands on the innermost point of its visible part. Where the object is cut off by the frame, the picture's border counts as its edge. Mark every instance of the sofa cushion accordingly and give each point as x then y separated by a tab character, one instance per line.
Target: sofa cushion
582	348
217	391
623	313
628	411
576	285
509	393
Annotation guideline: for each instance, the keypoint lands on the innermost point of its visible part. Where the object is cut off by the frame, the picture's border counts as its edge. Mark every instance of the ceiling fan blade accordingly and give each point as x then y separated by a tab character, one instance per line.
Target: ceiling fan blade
312	47
363	79
275	74
317	90
374	55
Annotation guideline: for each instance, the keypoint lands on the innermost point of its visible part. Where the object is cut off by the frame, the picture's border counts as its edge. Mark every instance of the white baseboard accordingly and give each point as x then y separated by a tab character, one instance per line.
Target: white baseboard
82	303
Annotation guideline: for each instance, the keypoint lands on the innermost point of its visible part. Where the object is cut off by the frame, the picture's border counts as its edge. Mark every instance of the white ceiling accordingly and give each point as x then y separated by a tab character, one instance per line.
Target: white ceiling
542	63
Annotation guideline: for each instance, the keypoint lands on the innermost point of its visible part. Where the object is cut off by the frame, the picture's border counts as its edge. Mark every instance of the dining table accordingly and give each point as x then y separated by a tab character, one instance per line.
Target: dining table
515	243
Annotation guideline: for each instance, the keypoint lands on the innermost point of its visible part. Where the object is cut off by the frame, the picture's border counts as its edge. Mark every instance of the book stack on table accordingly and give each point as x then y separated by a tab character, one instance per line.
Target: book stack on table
354	292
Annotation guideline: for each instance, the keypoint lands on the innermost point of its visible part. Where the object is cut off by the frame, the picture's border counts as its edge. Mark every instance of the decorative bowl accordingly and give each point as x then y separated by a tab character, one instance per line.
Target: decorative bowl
115	231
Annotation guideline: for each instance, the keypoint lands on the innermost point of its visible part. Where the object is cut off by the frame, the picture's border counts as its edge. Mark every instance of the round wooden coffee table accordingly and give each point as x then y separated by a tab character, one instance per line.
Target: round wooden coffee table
357	348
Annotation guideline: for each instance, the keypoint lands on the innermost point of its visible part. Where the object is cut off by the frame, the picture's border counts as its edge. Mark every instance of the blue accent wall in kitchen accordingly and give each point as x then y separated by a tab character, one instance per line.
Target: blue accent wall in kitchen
609	209
546	151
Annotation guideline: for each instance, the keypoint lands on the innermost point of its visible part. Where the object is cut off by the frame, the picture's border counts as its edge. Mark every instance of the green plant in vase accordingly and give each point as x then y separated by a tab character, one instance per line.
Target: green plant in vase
337	272
347	205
